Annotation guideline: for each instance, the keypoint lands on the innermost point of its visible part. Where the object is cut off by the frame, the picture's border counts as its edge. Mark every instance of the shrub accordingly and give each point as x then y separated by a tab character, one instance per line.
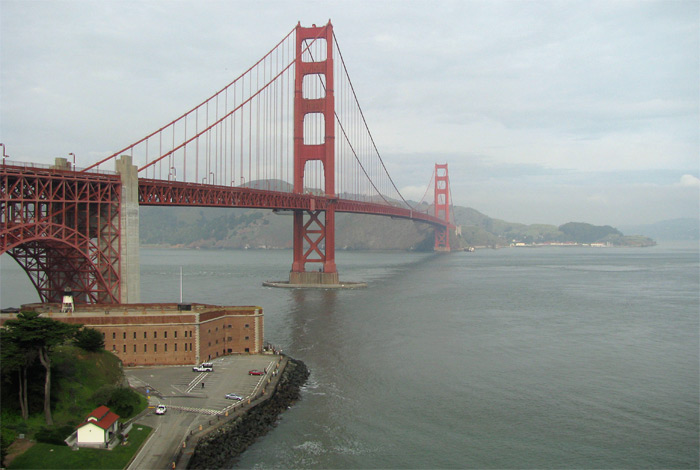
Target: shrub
102	395
54	435
123	401
89	339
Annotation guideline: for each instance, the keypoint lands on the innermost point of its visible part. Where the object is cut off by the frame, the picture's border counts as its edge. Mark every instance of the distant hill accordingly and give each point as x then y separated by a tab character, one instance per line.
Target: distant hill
196	227
669	230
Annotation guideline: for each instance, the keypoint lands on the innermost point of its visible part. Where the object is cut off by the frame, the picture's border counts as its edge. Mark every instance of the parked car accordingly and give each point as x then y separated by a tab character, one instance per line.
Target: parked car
233	396
204	367
256	372
161	409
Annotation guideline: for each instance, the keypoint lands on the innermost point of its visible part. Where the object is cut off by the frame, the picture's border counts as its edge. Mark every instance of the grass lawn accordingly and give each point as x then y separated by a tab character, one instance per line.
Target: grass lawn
48	456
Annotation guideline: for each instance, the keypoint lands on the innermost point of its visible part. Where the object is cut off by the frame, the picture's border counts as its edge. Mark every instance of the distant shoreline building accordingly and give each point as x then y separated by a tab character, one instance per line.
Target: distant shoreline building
165	334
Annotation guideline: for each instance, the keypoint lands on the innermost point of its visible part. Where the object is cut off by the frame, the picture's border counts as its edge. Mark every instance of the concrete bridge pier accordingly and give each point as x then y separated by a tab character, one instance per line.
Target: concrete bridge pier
130	273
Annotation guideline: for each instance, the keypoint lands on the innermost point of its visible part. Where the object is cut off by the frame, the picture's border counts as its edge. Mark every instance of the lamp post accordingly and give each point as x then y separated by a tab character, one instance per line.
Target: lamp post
4	155
73	159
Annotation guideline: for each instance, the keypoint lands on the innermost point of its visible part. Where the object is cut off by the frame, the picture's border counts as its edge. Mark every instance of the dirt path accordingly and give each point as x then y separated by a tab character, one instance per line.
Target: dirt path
18	447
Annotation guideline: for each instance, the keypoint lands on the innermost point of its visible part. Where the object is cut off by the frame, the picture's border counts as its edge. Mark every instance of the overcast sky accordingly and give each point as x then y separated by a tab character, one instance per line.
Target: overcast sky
546	112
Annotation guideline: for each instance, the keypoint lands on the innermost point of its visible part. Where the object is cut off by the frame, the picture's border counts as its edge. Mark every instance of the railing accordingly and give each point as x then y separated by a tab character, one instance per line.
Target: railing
44	166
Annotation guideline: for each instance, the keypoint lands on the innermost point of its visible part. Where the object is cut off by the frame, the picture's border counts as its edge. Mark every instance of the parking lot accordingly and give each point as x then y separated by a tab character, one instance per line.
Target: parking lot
189	404
179	387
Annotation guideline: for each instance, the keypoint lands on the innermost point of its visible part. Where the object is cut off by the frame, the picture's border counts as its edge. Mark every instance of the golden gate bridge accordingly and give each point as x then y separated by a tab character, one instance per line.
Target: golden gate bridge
287	134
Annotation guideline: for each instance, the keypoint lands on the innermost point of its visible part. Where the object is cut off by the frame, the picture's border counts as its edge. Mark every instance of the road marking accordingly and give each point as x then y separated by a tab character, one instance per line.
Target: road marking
199	378
191	409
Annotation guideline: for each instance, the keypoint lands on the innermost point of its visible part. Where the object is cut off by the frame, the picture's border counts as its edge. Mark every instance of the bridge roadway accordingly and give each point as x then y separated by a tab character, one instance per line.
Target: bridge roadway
191	405
153	192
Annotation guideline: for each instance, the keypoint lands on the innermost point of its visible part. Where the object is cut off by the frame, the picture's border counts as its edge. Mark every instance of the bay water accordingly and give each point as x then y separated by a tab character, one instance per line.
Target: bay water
514	358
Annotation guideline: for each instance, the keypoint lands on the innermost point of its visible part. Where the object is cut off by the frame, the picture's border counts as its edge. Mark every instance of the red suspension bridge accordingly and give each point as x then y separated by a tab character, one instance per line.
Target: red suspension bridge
287	134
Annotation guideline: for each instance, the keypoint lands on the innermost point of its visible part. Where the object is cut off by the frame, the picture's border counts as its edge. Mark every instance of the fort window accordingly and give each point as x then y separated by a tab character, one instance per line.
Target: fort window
134	348
185	346
175	347
114	335
155	348
145	348
124	335
155	334
176	333
124	348
144	335
247	338
165	334
165	346
134	335
247	325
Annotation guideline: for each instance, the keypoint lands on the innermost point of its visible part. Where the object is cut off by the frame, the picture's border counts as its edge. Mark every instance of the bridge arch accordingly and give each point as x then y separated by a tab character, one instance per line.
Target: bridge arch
54	264
63	229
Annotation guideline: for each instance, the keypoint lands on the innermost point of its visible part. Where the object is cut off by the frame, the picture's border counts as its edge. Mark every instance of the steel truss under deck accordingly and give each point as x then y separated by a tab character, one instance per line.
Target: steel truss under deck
63	228
174	193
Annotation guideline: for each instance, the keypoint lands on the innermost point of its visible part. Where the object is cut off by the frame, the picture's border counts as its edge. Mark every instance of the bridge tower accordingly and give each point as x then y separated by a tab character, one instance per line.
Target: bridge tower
314	230
442	207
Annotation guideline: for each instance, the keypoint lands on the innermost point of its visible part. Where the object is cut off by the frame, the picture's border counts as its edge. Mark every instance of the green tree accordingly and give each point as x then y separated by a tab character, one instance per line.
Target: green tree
32	334
89	339
16	359
587	233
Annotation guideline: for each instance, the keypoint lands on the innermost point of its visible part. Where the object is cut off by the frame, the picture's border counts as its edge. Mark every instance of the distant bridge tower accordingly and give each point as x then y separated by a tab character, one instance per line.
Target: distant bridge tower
314	230
442	207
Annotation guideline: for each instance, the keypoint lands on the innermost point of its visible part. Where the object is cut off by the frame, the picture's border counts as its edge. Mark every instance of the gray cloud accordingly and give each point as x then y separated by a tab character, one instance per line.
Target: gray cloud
543	110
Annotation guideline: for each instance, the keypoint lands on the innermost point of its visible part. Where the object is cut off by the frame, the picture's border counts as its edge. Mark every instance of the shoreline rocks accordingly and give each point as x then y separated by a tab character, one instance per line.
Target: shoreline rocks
220	447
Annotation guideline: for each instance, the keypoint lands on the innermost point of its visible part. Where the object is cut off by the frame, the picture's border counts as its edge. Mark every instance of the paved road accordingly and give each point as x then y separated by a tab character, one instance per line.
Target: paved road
189	404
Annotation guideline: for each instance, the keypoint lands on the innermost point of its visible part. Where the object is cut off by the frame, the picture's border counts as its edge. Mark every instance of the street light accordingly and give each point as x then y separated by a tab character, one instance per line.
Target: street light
73	159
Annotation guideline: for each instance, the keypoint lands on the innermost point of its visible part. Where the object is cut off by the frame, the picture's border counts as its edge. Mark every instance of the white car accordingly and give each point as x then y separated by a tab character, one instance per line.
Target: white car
161	409
203	368
233	396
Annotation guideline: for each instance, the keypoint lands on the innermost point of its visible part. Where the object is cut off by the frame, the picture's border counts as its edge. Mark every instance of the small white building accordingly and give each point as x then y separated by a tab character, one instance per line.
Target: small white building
98	428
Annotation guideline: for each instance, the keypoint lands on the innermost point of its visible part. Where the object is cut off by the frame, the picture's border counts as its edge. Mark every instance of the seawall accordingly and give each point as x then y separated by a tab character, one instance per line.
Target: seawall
227	441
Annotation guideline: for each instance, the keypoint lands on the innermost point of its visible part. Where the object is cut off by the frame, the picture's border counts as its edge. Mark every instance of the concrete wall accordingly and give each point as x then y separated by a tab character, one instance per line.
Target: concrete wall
130	273
91	434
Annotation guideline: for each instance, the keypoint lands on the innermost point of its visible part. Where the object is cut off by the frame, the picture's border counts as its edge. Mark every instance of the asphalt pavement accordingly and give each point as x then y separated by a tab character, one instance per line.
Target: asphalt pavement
192	399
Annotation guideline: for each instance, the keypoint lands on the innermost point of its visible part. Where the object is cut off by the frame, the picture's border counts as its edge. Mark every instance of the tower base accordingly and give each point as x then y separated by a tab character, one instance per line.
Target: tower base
314	280
313	277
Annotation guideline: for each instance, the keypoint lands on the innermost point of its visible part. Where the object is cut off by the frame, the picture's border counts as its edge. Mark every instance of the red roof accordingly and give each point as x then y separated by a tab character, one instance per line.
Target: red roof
101	416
